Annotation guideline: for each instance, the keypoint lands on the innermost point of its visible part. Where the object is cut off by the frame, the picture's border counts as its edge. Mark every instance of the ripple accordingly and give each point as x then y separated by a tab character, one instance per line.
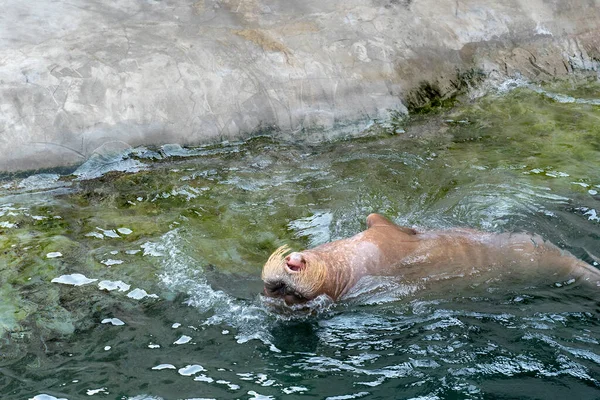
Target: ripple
316	227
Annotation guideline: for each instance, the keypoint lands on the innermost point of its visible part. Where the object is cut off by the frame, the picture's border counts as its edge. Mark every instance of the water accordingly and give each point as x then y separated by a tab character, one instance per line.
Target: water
144	282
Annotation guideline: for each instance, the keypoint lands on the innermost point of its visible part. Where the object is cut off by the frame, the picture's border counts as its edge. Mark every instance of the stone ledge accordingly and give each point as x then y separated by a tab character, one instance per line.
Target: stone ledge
75	76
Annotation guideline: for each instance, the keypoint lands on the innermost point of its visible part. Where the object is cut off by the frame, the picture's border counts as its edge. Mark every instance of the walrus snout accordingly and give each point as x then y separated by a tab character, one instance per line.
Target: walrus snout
295	262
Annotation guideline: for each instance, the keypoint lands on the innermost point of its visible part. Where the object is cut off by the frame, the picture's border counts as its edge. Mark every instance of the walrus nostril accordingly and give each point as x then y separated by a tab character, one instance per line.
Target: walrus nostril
295	262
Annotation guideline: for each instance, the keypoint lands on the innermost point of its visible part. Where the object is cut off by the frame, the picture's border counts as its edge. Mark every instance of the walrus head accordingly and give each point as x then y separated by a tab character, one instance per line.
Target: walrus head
296	277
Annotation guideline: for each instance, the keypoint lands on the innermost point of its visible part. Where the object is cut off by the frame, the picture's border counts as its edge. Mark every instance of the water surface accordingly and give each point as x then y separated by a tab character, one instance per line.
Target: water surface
138	275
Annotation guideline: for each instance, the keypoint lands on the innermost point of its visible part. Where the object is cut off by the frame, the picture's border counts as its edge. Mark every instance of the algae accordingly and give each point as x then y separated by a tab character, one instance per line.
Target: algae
429	97
485	163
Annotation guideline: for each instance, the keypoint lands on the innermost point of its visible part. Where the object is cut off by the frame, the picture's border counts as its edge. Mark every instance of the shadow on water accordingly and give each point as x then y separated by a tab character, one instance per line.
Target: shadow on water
141	279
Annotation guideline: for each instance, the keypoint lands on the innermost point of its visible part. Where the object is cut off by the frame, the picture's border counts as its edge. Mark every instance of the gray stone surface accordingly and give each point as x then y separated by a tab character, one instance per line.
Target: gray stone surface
79	76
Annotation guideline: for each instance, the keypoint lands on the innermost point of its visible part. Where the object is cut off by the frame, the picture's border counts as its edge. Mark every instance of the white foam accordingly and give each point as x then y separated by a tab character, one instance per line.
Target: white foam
164	366
189	370
294	389
146	397
231	386
258	396
109	262
8	225
179	272
91	392
204	378
348	396
44	396
183	340
73	279
95	234
592	215
113	321
124	231
510	84
109	233
153	249
188	192
582	184
113	285
176	325
138	294
54	254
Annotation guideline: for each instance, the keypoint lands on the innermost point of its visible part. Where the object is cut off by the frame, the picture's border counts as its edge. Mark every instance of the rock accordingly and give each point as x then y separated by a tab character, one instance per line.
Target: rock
77	76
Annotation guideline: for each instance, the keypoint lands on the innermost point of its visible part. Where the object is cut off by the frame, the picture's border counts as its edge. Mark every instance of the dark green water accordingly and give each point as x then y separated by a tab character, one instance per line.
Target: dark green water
192	228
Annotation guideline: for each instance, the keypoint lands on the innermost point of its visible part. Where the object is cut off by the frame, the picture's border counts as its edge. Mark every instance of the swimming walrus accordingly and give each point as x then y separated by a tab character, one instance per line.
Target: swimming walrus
386	249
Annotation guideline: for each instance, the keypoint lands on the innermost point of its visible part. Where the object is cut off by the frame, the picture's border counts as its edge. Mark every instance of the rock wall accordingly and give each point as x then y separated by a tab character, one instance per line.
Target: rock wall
84	75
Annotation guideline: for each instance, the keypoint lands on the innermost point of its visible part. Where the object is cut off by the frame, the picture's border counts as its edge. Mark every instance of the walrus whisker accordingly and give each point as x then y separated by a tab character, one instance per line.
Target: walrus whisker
275	260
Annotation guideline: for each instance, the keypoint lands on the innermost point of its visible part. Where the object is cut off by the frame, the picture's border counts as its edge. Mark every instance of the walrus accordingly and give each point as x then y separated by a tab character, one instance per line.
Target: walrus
386	249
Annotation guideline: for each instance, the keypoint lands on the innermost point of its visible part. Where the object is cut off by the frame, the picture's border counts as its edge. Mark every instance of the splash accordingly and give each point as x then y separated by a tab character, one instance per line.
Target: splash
180	273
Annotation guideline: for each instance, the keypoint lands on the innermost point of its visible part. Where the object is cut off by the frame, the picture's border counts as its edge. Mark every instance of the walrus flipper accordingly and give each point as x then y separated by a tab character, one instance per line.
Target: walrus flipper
380	220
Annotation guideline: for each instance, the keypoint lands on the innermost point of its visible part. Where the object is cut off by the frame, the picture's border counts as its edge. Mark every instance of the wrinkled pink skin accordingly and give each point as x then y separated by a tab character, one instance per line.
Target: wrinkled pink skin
386	249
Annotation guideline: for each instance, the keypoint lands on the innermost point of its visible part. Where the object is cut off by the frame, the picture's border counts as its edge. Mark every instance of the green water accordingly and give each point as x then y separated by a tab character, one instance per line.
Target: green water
192	228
